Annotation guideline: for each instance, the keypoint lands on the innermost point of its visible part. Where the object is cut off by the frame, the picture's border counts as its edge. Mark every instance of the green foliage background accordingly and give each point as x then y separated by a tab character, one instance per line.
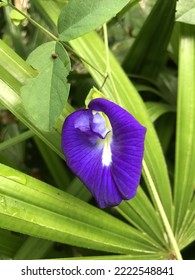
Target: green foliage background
143	60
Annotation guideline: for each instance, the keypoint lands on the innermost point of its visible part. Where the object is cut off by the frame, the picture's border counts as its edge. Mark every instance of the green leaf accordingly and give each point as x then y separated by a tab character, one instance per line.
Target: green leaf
54	164
188	228
33	207
3	4
44	97
185	143
15	140
93	93
33	248
11	100
82	16
186	11
13	68
165	127
147	54
14	72
167	84
156	109
16	17
154	256
78	189
9	243
140	212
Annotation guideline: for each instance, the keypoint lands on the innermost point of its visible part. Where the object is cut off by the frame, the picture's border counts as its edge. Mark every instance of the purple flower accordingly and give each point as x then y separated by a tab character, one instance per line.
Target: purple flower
104	147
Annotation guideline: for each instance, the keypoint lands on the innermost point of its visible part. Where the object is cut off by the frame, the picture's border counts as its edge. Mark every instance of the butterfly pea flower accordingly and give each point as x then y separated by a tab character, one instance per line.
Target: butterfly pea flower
104	146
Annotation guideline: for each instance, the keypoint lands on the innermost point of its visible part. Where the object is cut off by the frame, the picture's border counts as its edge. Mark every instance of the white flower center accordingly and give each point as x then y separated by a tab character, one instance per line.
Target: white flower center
102	126
107	153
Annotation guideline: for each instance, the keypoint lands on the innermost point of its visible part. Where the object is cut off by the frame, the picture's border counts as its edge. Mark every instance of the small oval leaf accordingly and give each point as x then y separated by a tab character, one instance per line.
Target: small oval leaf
44	96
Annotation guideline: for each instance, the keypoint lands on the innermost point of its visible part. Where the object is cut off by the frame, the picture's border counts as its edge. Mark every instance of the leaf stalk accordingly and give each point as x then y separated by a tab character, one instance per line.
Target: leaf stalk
162	214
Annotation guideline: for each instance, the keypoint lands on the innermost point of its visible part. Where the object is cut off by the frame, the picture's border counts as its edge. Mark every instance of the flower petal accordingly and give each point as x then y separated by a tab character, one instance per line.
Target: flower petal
110	167
127	146
98	125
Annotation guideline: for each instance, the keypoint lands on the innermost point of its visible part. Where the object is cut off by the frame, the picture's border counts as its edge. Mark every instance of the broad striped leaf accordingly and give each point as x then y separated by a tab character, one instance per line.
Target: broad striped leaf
32	207
185	143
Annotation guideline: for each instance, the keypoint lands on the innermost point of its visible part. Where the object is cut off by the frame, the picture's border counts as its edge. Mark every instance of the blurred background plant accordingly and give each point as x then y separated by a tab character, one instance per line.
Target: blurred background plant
152	56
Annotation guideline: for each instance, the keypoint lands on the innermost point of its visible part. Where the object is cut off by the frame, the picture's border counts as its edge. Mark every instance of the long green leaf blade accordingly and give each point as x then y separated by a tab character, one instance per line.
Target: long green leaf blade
141	213
54	164
147	54
9	243
187	235
157	109
185	144
155	256
33	248
32	207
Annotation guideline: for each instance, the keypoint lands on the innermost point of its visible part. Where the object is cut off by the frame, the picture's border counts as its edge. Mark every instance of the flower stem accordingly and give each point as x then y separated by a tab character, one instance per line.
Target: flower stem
162	213
34	22
108	72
